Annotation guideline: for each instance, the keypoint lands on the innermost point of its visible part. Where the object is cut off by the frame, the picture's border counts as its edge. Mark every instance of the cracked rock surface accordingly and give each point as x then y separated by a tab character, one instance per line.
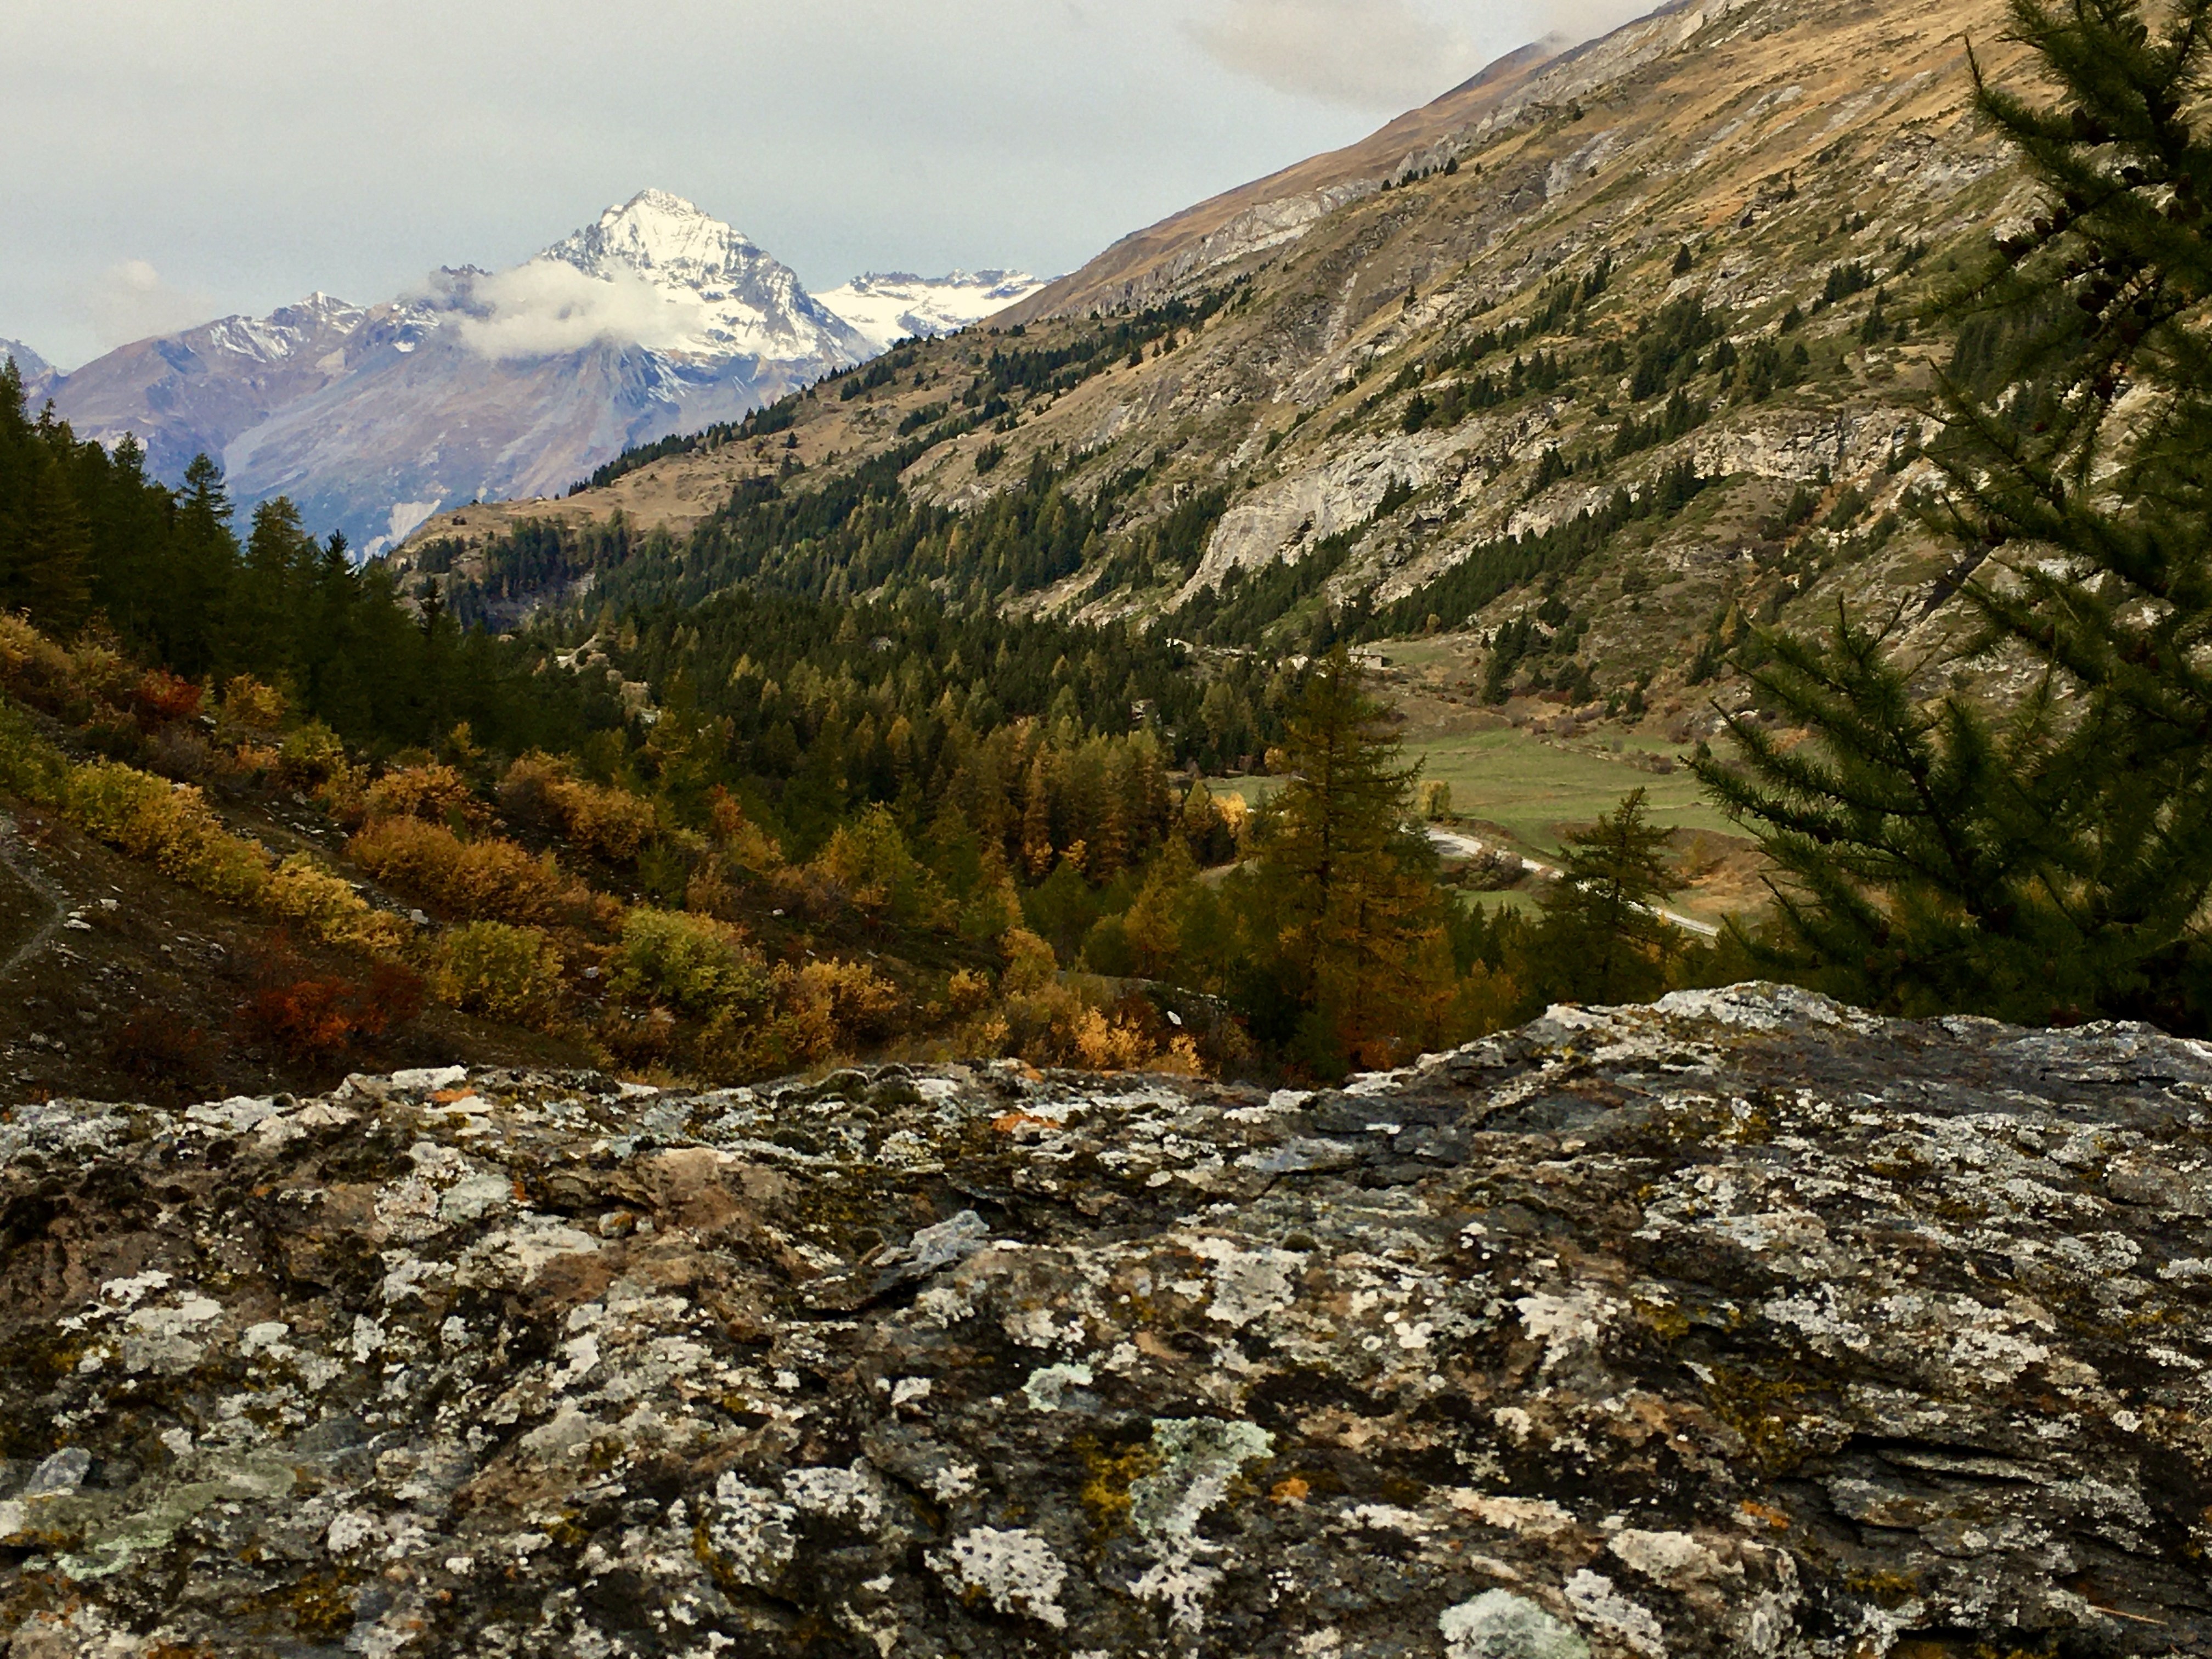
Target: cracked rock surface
1742	1324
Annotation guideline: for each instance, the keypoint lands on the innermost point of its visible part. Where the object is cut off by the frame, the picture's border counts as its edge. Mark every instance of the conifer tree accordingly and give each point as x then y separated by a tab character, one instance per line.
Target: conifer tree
2051	859
45	571
1346	882
1602	937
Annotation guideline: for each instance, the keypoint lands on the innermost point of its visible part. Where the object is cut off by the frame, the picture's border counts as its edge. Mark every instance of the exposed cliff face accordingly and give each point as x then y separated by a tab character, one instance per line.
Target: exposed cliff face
1744	1324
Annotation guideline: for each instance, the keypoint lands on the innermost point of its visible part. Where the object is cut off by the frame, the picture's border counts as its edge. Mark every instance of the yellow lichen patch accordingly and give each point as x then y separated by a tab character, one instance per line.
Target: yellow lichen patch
322	1606
1105	1494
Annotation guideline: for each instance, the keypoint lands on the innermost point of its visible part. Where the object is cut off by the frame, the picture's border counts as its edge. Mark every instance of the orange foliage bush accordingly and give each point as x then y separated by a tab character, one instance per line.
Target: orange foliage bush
310	1016
162	696
488	880
613	823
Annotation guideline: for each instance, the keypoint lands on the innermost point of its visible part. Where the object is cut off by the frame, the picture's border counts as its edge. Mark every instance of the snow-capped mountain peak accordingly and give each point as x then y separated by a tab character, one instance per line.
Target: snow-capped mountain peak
655	272
656	231
890	306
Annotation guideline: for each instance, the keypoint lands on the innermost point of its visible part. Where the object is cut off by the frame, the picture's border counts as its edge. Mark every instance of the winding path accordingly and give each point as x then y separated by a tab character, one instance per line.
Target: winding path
13	860
1467	847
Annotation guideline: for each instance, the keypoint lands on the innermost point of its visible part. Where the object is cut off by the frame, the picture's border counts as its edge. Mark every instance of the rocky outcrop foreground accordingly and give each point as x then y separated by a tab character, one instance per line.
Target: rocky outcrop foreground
1744	1324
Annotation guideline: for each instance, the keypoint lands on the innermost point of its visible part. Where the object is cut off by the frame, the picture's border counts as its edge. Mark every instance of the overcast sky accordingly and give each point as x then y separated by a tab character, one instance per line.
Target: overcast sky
170	161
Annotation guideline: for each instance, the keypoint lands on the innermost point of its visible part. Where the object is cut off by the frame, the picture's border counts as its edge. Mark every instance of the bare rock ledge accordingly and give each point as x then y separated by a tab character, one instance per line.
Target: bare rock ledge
1745	1324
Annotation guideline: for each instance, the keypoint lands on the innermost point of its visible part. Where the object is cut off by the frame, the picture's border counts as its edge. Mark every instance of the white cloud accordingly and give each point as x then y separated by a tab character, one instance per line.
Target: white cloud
547	308
1373	54
131	301
1384	55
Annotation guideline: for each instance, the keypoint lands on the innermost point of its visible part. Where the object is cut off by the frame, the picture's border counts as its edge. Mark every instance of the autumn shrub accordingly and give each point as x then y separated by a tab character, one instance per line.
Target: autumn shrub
327	909
171	824
248	705
162	696
161	1049
178	752
849	1002
814	1013
310	1016
740	842
693	964
30	767
968	992
609	822
311	756
99	671
435	793
490	879
503	972
32	667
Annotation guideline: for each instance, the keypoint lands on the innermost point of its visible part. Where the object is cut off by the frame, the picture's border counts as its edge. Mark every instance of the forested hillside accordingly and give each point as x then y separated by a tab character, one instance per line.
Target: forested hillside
726	835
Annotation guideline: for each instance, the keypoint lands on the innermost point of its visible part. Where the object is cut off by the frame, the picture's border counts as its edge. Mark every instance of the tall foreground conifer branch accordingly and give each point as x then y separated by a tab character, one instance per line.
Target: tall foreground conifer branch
2053	859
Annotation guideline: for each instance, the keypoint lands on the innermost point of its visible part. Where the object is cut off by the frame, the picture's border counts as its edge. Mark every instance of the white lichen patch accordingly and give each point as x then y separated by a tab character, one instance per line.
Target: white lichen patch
1597	1603
1048	1384
1015	1570
1200	1457
1498	1625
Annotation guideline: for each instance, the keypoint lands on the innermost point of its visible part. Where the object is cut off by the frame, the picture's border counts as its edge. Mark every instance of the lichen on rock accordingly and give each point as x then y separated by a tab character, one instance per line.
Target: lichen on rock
1743	1323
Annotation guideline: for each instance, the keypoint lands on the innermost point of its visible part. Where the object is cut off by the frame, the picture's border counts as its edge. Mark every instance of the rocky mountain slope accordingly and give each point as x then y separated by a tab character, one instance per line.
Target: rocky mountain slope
198	391
34	369
1668	280
1741	1324
887	308
656	318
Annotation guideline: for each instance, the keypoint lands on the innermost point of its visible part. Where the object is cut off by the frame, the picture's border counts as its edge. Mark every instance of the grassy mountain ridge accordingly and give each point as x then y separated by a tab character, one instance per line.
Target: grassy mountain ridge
1695	263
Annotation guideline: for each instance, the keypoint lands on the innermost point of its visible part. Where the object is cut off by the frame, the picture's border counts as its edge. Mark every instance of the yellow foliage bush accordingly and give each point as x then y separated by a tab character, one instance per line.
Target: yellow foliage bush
968	992
1030	965
693	963
816	1011
101	670
487	880
328	909
434	791
311	756
248	705
171	824
1103	1045
489	968
852	1000
29	765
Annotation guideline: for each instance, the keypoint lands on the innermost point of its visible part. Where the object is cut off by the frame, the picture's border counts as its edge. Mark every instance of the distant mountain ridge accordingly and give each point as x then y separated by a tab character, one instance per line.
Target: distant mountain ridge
889	306
655	319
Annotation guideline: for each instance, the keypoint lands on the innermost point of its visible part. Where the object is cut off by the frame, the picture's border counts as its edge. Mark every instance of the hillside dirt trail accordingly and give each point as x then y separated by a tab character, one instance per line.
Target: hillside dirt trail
18	872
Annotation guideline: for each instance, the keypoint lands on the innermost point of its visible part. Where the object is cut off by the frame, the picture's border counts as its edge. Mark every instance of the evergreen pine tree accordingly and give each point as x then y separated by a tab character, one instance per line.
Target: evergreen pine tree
1347	882
1602	937
45	572
189	632
2052	860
